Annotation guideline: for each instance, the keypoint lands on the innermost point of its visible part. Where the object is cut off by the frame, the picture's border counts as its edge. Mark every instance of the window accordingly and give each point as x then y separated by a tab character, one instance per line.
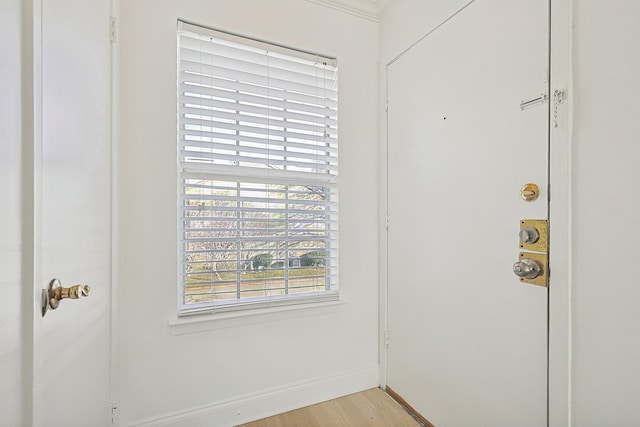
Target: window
258	168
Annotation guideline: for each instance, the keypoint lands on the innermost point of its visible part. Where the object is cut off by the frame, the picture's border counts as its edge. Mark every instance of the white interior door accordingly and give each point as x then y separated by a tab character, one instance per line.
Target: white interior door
71	345
468	340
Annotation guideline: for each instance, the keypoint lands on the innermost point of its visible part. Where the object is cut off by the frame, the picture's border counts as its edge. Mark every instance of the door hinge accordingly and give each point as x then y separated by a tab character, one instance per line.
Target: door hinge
113	29
547	75
386	221
114	413
386	339
386	104
548	192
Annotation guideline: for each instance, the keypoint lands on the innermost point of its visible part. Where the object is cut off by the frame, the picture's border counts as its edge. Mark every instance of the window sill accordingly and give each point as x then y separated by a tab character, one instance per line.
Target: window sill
231	319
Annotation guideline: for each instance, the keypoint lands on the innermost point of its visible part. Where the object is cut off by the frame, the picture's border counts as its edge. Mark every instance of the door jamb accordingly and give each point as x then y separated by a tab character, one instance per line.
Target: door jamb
31	63
114	385
560	286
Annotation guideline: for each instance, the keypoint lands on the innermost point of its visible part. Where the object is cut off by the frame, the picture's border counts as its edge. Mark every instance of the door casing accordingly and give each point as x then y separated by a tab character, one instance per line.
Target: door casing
68	181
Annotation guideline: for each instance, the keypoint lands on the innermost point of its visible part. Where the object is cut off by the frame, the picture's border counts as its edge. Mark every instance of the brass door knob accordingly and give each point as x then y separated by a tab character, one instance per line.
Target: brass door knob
55	293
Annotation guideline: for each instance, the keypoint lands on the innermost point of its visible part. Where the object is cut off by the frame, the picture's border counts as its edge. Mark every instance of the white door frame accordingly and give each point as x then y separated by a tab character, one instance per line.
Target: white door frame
559	336
559	307
115	112
32	144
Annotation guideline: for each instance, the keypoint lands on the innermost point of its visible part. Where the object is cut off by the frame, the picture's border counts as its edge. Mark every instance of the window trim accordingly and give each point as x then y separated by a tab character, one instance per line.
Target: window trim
213	320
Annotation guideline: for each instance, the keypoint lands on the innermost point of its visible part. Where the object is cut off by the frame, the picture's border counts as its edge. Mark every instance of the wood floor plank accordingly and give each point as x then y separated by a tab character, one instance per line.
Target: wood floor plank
370	408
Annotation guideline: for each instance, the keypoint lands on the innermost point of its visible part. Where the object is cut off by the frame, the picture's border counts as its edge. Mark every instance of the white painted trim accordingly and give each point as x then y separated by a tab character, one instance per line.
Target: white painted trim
232	319
383	254
35	164
560	219
31	94
268	402
387	8
115	111
371	10
362	9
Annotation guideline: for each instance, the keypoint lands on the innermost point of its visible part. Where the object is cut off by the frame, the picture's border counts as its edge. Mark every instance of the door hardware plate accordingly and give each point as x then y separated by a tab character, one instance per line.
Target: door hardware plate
542	244
542	260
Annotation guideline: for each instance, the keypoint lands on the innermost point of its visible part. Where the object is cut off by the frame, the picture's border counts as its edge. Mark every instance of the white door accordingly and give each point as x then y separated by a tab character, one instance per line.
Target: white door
71	345
468	340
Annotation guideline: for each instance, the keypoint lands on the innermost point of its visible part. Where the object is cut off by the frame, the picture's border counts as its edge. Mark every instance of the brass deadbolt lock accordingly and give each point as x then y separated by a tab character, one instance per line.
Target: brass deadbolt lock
529	192
534	235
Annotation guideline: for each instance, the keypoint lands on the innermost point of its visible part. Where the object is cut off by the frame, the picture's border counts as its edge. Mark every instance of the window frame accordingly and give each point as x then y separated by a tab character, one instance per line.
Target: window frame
267	175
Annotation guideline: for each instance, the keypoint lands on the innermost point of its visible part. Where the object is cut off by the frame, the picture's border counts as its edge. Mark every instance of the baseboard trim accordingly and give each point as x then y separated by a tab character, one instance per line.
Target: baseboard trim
268	402
415	414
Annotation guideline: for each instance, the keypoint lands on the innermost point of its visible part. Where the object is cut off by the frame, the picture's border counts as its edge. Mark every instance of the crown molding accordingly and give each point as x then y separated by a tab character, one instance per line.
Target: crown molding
366	9
385	7
372	10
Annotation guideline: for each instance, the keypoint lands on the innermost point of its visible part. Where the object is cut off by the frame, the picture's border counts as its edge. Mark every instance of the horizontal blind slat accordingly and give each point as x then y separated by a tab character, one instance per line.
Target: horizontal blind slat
225	49
204	71
241	110
209	158
243	173
263	66
187	30
319	155
269	118
257	94
216	208
202	137
204	125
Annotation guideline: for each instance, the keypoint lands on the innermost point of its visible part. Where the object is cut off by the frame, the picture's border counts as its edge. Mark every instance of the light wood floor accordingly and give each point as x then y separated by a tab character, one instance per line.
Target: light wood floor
370	408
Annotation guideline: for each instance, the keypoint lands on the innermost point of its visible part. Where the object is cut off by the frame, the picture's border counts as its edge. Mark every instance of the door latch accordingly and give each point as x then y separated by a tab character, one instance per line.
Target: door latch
533	102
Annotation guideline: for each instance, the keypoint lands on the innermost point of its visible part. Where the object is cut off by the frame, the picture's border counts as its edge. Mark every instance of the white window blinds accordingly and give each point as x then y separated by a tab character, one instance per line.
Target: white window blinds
257	144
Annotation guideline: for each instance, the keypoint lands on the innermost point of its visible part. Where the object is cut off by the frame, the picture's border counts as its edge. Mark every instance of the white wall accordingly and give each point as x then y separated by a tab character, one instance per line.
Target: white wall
606	213
409	21
11	313
230	370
